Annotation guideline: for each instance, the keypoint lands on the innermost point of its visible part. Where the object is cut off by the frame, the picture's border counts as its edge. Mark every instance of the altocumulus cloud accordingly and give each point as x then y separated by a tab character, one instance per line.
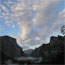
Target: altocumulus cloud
34	18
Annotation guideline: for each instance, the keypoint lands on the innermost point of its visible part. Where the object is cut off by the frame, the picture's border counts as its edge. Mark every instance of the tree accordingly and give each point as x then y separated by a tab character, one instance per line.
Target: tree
63	30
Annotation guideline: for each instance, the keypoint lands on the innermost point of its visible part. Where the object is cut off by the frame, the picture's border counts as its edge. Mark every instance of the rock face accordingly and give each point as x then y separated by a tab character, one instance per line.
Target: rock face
53	52
9	48
36	52
28	52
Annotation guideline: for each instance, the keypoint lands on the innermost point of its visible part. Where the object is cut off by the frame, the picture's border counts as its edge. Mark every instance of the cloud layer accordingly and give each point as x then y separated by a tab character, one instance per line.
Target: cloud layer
37	19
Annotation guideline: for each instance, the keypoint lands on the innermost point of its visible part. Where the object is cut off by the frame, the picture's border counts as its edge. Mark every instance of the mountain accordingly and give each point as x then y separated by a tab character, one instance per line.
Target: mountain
53	52
50	53
28	52
9	48
36	52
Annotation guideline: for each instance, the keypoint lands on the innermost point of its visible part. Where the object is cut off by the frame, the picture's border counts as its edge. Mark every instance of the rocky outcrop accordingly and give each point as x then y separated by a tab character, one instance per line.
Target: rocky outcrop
53	53
9	48
36	52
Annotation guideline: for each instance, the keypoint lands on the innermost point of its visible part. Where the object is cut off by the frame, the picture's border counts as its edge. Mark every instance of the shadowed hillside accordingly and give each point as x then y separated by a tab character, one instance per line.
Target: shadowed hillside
9	49
53	52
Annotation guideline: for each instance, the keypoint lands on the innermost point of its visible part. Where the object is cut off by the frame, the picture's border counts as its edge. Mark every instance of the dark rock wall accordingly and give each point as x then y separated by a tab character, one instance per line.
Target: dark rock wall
9	48
53	53
35	53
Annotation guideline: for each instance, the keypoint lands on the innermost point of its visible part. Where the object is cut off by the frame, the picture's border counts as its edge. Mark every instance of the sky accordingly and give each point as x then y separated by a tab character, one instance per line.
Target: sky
31	22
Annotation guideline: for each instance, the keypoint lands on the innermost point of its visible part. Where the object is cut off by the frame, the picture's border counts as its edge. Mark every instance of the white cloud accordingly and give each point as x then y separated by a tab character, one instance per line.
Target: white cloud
8	23
26	28
37	38
35	7
37	19
62	13
27	41
5	8
13	26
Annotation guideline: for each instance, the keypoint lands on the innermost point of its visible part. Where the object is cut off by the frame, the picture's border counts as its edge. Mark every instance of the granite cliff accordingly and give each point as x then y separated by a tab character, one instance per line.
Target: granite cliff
53	52
50	53
9	48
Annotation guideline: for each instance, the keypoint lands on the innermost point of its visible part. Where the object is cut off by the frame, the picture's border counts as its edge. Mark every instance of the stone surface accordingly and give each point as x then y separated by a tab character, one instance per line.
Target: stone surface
53	52
9	48
36	52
